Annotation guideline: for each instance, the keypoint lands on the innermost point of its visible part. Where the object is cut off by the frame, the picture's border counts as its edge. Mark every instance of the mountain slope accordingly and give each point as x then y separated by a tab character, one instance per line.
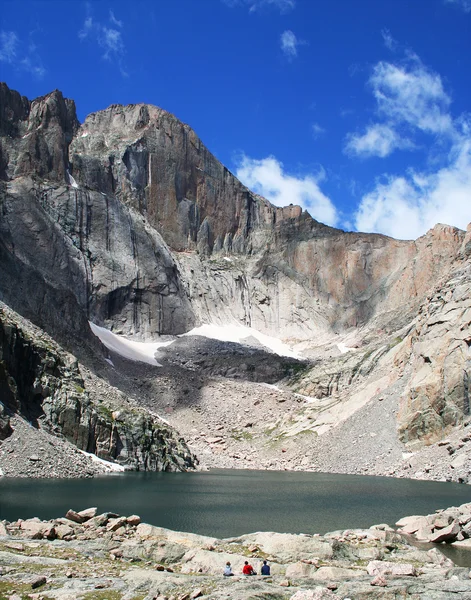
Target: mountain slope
128	221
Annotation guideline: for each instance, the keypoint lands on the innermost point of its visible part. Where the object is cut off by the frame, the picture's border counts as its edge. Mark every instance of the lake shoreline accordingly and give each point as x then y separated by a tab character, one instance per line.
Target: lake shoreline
120	557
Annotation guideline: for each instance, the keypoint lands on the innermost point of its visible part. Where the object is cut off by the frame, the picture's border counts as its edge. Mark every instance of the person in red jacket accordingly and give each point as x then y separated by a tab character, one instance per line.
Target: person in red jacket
248	569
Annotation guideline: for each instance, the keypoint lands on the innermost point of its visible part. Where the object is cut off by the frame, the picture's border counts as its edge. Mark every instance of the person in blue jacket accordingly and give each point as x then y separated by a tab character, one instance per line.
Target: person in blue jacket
265	568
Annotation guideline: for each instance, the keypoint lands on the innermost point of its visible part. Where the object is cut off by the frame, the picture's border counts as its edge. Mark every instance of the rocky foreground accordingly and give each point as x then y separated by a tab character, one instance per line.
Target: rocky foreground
88	556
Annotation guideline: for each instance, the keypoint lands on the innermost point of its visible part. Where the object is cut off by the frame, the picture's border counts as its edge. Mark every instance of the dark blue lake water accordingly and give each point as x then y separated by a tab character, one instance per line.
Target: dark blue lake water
226	503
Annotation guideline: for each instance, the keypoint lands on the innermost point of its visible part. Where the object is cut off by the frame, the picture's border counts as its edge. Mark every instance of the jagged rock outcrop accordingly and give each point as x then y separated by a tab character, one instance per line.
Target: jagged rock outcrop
42	384
437	393
130	222
101	194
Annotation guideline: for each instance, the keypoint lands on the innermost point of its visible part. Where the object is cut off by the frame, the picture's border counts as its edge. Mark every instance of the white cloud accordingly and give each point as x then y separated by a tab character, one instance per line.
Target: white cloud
411	95
268	178
107	38
112	42
389	41
255	5
464	4
406	207
114	20
88	28
317	130
378	140
12	52
409	98
289	44
8	46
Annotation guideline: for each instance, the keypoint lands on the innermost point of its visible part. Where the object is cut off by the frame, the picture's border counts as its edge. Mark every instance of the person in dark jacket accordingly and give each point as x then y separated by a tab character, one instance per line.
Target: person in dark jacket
265	568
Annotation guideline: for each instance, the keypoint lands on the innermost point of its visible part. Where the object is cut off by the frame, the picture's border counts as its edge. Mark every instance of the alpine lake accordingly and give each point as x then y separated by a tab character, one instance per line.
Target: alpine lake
227	503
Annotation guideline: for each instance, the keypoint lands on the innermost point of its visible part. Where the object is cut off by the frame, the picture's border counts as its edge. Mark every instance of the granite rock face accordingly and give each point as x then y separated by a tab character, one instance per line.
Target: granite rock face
113	199
128	221
42	384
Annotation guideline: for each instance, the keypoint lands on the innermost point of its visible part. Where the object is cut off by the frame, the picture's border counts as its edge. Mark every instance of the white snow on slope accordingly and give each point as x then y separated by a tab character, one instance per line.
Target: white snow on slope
343	348
142	351
109	466
240	335
145	351
72	181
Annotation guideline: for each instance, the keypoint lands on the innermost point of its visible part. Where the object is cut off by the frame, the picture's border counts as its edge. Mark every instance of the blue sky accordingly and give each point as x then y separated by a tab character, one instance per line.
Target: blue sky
359	110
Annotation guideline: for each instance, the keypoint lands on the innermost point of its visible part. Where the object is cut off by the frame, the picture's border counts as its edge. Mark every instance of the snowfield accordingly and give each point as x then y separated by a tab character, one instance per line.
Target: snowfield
145	351
141	351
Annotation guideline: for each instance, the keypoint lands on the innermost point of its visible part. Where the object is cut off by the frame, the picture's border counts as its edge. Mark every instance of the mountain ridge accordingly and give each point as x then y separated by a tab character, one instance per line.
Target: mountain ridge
128	221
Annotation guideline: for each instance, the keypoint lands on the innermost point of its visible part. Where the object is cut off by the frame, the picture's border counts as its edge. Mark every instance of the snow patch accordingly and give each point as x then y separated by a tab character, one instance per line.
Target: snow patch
109	361
239	334
109	466
308	399
227	258
140	351
72	181
343	348
85	134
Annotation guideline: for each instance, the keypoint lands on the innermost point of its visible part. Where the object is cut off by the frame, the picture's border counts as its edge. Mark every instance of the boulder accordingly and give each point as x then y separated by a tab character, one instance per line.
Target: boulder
318	593
300	569
379	567
88	513
326	573
379	581
413	524
74	516
447	534
133	520
115	524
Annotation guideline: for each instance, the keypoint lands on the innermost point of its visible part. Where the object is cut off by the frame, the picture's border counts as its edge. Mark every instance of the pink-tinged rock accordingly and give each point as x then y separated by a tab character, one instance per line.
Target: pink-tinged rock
63	531
74	516
423	533
382	567
115	524
447	534
33	529
379	581
412	524
133	520
3	529
319	593
442	520
88	513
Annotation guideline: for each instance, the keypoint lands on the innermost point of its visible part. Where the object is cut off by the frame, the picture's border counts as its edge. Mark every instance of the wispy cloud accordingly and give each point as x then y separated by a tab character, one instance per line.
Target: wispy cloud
20	55
389	41
8	46
464	4
317	130
378	140
289	44
411	94
268	178
282	6
409	98
114	20
107	37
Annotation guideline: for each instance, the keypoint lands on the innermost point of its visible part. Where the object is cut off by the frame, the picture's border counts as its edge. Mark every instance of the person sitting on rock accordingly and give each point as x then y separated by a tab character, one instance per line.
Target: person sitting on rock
228	570
265	568
248	569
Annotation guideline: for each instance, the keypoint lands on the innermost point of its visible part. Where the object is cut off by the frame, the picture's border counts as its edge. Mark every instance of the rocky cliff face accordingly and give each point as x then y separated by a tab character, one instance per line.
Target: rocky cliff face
43	385
130	222
112	199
